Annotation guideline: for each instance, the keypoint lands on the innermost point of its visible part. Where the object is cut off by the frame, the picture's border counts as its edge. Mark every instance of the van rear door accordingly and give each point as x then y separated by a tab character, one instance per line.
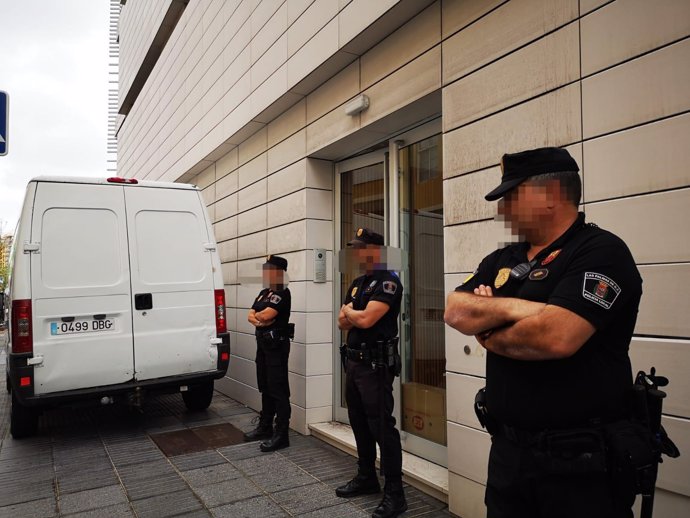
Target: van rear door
82	327
172	282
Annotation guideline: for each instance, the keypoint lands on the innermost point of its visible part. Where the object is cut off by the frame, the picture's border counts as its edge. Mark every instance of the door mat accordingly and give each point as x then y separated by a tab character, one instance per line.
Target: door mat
192	440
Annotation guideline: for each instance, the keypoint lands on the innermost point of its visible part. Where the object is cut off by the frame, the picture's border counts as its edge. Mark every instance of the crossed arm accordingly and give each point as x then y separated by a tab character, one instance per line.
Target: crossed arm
362	319
516	328
264	317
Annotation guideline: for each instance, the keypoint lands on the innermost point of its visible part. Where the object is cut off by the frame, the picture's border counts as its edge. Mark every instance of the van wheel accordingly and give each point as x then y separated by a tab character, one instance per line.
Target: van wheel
198	397
23	420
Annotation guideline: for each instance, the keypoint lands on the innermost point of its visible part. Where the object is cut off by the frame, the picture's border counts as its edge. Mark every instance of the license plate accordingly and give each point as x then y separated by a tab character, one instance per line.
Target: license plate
82	326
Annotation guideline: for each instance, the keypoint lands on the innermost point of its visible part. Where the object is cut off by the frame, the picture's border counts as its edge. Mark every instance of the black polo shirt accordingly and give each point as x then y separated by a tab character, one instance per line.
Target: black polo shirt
383	286
590	272
280	300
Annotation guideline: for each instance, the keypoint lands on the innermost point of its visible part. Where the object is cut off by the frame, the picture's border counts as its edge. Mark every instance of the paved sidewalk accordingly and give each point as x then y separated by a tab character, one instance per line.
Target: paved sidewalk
102	462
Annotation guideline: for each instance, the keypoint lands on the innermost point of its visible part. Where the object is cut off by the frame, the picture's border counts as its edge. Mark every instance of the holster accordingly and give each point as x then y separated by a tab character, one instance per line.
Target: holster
633	455
485	419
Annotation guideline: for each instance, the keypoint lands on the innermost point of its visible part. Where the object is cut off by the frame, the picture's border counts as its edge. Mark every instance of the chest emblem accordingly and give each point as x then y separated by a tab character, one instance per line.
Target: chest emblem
371	286
502	277
390	287
539	274
353	292
550	257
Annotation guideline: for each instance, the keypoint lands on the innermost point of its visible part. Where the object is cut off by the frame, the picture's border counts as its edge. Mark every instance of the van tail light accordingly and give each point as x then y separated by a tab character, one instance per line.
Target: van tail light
221	322
22	336
119	179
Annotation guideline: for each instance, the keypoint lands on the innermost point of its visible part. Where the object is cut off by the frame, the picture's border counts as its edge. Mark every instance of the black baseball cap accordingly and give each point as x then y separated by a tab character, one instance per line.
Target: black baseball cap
276	261
365	236
517	167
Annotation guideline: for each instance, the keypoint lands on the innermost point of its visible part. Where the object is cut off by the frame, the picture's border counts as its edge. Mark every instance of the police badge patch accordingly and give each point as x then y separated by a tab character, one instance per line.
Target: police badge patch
390	287
600	289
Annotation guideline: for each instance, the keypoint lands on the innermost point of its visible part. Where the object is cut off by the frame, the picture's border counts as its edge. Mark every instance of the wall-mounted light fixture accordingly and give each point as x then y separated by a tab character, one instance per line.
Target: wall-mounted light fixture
357	105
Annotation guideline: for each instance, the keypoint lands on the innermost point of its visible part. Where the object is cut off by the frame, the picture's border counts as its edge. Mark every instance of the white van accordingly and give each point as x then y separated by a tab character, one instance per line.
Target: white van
115	291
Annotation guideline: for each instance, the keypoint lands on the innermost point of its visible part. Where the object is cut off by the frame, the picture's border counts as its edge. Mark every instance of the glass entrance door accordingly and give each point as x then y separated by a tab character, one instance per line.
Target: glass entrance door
398	192
423	382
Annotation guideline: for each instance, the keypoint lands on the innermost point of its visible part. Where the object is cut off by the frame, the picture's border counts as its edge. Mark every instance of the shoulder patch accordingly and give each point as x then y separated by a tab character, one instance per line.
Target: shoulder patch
390	287
275	299
600	289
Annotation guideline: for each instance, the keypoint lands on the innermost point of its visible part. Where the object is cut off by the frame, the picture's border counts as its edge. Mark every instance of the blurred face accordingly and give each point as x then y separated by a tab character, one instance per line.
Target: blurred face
368	257
272	276
528	207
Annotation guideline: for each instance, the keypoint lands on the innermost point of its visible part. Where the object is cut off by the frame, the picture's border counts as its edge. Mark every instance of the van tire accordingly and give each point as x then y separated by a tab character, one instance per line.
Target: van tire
23	420
198	397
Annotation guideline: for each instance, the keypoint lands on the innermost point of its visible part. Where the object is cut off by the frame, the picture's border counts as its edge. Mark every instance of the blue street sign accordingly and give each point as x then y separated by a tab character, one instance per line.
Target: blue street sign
4	112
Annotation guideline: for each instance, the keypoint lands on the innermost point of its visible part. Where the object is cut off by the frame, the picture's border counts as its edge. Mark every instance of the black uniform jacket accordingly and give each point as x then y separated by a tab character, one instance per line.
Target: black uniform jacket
590	272
279	300
383	286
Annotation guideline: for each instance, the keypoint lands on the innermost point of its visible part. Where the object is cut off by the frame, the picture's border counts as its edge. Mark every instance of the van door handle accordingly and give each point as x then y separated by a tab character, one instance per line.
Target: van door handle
143	301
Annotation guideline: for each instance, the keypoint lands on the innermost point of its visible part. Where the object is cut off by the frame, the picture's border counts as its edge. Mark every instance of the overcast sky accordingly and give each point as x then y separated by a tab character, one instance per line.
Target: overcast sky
54	66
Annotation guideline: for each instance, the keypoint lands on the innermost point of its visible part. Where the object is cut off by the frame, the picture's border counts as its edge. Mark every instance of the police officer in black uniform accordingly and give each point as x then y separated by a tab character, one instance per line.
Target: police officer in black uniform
370	315
555	312
270	314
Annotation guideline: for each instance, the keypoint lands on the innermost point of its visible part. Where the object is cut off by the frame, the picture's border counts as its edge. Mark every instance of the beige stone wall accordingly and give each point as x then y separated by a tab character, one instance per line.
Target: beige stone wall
230	67
139	22
607	80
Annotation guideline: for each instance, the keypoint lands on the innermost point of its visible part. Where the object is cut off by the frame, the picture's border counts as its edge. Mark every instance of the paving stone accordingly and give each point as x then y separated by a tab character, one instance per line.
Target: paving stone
81	480
280	479
27	462
211	474
25	491
113	511
92	499
241	451
263	463
306	499
259	507
158	485
341	511
172	504
136	472
226	492
201	459
35	509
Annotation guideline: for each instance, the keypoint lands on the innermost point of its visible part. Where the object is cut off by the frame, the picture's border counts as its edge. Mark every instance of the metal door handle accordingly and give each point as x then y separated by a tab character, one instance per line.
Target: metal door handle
143	301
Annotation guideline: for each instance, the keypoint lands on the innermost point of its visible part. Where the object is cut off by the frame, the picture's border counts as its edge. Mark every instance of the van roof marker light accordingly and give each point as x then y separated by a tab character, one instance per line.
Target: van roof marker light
119	179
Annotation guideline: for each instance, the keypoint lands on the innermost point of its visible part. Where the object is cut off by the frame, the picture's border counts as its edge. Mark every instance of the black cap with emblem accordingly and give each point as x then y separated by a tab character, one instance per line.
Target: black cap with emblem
365	236
276	261
517	167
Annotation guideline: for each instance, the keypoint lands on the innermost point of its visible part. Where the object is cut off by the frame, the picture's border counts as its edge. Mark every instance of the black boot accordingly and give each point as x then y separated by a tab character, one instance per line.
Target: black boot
264	430
362	484
278	441
393	503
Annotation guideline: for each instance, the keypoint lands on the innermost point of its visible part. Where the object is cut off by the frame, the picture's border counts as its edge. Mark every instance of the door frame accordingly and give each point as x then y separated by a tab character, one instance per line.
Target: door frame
429	450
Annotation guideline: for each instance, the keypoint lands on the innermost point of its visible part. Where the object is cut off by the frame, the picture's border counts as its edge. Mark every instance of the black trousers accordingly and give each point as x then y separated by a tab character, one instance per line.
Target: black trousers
272	380
369	396
518	487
